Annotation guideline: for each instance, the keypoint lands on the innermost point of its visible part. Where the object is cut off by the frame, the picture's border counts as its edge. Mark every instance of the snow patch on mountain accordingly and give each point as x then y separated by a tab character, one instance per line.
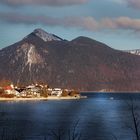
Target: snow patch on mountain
46	36
136	52
32	56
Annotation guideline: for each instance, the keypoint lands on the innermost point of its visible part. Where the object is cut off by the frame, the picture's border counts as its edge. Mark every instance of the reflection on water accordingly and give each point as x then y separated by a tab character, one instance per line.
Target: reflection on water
99	117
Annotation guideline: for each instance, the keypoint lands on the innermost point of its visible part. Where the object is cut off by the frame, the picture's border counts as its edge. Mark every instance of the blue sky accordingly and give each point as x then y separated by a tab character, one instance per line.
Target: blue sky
114	22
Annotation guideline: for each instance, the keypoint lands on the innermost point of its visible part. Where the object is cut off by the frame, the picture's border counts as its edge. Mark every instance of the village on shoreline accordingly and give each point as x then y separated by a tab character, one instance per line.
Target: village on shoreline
36	92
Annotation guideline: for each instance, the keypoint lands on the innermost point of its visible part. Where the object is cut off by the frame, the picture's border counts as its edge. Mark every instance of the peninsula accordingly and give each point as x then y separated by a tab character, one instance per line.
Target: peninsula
36	92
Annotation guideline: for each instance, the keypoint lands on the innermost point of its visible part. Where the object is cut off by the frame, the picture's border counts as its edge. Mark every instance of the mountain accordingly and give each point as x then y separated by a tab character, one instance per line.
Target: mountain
82	63
46	36
136	52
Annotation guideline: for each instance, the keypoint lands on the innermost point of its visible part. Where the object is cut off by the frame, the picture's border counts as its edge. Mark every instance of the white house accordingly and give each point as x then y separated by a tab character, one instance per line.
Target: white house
57	92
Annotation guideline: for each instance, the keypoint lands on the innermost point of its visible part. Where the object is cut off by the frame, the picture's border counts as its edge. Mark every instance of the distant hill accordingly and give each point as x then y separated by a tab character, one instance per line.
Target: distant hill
82	63
136	51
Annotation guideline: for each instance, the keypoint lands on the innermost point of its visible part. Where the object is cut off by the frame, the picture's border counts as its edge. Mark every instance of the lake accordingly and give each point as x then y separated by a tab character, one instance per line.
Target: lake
102	116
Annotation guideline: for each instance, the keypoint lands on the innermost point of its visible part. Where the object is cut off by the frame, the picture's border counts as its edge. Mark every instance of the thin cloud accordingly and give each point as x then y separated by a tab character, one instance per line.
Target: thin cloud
134	3
27	19
131	3
85	23
43	2
125	23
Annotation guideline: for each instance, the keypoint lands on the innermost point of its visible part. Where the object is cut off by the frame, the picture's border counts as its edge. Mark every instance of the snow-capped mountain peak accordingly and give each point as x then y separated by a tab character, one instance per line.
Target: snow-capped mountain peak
46	36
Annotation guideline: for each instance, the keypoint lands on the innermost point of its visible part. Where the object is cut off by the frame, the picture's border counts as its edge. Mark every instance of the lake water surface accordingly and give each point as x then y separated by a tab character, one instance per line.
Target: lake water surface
102	116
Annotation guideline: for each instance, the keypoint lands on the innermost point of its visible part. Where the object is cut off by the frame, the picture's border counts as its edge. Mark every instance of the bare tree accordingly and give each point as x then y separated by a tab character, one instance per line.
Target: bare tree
73	134
58	134
69	134
135	126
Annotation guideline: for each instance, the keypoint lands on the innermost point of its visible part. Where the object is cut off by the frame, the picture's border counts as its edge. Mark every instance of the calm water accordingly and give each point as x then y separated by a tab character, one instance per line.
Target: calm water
99	117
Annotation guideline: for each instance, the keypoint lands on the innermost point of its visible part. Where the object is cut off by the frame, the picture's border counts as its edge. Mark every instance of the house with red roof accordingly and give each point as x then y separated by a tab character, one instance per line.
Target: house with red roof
10	90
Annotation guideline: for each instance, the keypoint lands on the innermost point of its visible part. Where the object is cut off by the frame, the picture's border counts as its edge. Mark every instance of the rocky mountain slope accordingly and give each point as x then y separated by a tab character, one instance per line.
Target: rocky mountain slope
82	63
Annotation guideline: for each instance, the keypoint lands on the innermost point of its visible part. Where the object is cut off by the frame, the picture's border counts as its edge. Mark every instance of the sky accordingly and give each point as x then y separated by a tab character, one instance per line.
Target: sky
113	22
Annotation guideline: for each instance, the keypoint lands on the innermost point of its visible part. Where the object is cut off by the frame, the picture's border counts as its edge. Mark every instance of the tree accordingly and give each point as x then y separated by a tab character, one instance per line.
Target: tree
135	126
1	91
64	93
5	83
44	92
74	93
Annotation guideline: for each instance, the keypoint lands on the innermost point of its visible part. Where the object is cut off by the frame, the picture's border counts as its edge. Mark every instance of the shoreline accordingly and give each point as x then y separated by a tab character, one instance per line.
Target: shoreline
106	92
42	98
21	99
